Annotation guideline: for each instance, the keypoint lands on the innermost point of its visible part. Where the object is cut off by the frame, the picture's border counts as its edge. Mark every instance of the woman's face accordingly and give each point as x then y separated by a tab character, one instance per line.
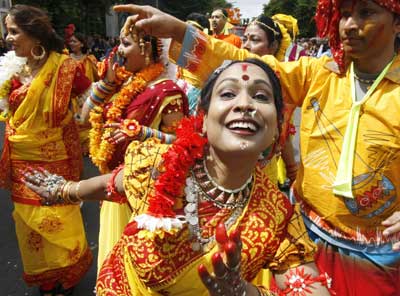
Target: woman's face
242	115
75	45
20	42
130	50
256	41
366	29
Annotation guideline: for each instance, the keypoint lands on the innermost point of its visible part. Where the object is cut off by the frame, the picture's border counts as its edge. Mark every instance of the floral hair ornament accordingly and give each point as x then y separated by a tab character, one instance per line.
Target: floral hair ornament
177	161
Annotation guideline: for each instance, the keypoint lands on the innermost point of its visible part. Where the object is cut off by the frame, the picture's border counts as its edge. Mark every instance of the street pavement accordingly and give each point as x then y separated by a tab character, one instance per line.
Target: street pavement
11	282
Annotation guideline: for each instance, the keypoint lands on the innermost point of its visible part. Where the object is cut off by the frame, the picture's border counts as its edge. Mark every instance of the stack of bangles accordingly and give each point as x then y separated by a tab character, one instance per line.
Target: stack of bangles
64	195
148	132
100	92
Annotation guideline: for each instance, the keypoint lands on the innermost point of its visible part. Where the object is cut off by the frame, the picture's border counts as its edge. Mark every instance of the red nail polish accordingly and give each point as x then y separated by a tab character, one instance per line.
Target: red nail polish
230	248
202	270
216	258
235	235
220	234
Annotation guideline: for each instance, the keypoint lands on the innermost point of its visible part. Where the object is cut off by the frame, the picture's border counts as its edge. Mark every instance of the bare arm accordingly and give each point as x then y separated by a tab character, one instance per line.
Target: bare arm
153	21
62	191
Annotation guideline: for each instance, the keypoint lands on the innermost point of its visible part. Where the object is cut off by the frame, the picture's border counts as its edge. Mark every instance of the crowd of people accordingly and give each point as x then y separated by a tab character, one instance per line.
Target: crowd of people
190	127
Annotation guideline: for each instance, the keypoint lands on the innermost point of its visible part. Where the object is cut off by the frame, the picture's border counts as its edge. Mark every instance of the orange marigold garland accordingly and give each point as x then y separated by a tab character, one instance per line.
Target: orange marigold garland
101	150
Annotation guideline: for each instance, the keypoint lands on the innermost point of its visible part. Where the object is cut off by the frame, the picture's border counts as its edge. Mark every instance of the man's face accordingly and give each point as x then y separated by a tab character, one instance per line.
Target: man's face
218	21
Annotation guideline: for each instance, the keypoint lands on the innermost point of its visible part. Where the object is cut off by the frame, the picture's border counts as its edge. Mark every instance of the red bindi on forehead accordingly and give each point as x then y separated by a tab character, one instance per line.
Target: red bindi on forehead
245	77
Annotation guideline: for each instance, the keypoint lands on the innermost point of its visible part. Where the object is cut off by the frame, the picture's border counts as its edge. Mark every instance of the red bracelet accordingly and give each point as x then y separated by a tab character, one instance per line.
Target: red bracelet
111	191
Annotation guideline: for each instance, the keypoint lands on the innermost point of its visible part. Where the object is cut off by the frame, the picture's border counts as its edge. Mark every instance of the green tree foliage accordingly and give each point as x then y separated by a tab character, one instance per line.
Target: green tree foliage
302	10
89	15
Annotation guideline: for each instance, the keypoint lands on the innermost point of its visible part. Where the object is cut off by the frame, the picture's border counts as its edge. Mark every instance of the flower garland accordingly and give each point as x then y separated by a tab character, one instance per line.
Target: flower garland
10	65
101	150
177	161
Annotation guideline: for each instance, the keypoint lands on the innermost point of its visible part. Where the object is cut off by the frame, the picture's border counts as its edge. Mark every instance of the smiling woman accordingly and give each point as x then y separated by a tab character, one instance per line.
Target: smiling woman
41	133
203	198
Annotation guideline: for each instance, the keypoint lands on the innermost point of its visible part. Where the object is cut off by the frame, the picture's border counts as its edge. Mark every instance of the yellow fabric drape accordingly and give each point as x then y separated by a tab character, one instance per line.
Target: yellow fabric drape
37	135
114	217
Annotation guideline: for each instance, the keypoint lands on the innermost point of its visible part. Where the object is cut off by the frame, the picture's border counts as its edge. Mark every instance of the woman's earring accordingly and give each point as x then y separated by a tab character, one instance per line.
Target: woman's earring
141	46
41	56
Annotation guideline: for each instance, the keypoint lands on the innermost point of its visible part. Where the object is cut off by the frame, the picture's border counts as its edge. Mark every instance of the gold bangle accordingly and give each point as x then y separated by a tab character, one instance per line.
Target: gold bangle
77	196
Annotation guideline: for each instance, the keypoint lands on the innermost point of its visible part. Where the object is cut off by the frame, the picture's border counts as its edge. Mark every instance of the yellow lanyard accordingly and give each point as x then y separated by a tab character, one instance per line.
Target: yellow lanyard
344	175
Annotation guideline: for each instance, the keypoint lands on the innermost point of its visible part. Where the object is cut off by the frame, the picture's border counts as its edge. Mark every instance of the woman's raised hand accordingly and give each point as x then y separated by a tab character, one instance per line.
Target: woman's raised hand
226	279
152	21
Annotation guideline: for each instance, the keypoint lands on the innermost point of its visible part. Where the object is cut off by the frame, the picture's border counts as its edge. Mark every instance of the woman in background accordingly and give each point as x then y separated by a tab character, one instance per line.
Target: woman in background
41	134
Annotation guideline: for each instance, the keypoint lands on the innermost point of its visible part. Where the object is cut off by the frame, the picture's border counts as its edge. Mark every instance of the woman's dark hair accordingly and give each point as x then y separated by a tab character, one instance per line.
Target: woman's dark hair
206	92
156	47
82	39
36	23
270	28
199	18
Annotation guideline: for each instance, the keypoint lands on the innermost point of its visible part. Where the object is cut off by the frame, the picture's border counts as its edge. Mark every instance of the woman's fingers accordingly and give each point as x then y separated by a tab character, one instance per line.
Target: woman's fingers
220	269
220	234
112	125
233	256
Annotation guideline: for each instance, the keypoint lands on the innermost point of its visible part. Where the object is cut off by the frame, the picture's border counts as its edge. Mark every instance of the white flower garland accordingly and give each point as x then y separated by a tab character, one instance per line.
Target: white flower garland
10	65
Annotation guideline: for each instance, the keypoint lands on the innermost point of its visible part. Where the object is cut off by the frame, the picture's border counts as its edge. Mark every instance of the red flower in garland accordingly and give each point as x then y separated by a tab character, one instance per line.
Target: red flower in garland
187	148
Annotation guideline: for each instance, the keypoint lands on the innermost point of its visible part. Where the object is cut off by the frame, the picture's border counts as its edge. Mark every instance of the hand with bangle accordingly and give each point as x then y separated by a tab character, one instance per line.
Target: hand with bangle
227	279
126	130
130	130
53	189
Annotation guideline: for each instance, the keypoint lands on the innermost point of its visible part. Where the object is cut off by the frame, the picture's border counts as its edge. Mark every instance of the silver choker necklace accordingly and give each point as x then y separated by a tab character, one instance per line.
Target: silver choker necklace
195	189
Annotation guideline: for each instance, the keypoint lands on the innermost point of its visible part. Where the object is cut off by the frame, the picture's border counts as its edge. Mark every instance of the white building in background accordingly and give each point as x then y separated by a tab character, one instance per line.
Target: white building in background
112	23
4	7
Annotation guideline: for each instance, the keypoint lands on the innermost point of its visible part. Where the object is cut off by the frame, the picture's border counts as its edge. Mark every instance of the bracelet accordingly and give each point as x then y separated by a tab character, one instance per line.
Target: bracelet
111	191
298	281
77	196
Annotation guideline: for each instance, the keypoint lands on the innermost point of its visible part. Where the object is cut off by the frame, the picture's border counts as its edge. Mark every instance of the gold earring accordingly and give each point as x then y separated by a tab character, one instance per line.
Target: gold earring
41	56
147	58
141	46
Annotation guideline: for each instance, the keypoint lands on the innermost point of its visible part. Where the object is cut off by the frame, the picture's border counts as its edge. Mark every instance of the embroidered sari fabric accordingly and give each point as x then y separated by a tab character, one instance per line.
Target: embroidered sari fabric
42	133
164	263
147	108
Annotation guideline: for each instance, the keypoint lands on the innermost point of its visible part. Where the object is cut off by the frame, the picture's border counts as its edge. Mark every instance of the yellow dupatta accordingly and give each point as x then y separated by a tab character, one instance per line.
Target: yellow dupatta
38	122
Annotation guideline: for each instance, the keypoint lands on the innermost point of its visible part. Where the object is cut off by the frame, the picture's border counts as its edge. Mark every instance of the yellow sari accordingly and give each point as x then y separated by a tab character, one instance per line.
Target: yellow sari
114	216
41	133
164	263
